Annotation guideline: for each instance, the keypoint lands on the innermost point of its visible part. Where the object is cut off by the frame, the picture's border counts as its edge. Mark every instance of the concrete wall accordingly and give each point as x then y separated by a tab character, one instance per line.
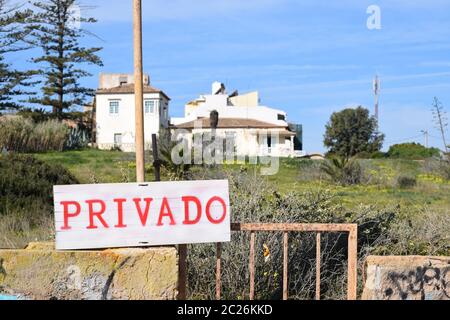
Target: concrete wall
250	99
111	80
407	278
40	272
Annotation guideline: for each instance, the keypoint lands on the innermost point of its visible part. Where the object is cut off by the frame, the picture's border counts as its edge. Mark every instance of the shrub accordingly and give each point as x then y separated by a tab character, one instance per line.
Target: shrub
26	198
77	139
425	232
405	182
413	151
343	171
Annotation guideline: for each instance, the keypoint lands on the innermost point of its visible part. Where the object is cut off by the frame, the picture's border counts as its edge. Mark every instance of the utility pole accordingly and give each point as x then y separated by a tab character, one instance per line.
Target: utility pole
376	90
138	90
425	133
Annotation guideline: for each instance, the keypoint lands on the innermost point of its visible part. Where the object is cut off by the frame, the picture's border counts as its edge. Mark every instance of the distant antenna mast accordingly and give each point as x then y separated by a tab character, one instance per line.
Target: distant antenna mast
376	91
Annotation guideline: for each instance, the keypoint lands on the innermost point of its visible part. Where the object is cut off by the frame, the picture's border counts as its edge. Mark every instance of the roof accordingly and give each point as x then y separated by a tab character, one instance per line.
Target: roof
129	89
229	123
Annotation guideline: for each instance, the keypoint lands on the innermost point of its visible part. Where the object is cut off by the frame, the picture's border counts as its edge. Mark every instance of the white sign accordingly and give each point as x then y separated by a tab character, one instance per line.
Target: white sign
141	214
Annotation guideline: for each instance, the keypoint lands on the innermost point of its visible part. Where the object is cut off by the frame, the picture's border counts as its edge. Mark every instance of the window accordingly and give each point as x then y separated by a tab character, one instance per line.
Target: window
229	143
149	106
117	139
114	107
281	117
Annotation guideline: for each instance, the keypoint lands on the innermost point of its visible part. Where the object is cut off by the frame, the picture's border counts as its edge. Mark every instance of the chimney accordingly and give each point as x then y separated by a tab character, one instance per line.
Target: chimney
217	87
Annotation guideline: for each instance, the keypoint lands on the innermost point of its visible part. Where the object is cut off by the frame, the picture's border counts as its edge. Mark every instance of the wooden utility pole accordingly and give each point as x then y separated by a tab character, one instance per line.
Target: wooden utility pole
138	90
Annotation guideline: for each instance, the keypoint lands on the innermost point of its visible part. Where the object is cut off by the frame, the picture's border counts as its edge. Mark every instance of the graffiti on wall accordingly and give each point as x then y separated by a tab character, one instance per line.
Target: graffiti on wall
424	283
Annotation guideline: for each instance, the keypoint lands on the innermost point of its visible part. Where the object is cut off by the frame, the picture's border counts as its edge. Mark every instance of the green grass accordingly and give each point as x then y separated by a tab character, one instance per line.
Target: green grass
294	175
90	164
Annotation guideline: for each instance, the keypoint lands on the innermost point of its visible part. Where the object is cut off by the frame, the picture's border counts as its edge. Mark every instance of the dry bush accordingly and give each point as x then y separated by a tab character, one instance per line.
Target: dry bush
426	232
254	200
17	229
23	135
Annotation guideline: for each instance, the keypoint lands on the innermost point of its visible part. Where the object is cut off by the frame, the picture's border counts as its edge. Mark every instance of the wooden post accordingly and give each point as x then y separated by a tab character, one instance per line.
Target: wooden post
352	263
285	266
138	90
318	258
182	276
218	270
251	265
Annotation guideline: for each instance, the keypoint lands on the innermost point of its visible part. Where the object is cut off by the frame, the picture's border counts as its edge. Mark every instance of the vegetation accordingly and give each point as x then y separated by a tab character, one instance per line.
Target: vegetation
343	171
382	230
352	131
392	219
406	182
57	34
172	169
414	151
23	135
26	198
14	32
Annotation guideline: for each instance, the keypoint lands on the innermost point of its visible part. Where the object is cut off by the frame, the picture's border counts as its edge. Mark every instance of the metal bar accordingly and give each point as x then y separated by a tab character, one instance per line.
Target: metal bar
182	254
318	257
218	270
155	158
352	263
251	266
309	227
285	266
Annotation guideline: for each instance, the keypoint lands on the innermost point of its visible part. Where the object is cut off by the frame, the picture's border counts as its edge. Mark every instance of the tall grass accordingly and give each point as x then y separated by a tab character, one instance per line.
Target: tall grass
23	135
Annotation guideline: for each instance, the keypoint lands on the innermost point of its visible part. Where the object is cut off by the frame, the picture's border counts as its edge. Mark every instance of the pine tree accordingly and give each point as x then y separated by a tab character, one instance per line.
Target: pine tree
58	35
14	31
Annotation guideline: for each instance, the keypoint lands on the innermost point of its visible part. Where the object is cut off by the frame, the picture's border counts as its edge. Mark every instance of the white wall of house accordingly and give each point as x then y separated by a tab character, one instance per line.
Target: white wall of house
248	141
261	113
115	118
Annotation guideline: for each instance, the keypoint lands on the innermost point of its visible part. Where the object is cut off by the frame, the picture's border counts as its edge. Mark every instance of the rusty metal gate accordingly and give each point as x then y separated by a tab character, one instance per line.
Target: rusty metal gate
318	228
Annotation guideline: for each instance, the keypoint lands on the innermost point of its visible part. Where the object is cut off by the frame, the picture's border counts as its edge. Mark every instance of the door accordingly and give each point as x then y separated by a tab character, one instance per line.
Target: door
117	139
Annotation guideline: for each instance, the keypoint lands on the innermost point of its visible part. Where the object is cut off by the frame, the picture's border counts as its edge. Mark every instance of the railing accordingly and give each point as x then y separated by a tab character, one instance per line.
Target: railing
318	228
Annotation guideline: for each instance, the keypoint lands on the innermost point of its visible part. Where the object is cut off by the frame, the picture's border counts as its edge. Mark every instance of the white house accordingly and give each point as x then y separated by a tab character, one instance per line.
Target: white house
255	130
115	112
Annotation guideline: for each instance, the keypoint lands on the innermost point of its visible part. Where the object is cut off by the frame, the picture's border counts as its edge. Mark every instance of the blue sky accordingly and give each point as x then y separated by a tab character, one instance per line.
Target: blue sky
309	58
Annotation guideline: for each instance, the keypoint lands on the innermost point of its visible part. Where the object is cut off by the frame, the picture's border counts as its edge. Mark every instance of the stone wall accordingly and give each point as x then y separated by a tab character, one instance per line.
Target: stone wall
40	272
407	278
